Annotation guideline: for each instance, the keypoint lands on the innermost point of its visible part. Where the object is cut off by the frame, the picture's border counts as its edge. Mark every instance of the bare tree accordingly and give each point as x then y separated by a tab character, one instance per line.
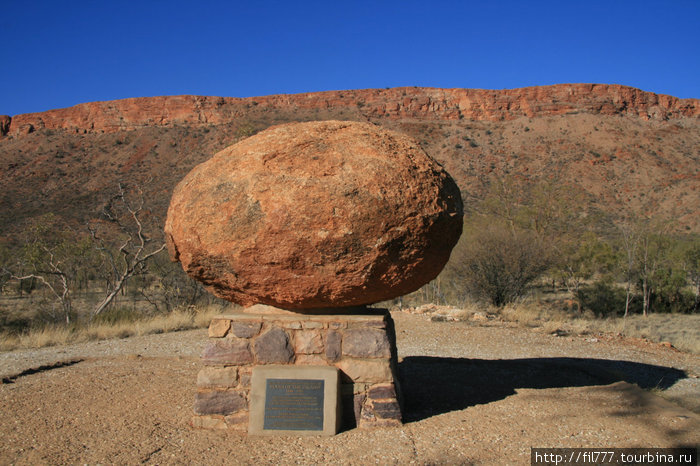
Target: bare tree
653	254
135	249
630	243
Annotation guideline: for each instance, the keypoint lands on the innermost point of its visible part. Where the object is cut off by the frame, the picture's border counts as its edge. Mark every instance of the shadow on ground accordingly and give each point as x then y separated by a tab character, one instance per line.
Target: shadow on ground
434	385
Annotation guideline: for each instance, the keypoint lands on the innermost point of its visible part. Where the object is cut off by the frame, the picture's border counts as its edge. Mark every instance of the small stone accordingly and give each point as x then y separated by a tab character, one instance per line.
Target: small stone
366	371
272	347
366	343
245	329
244	375
367	416
208	422
333	343
219	402
387	410
218	328
382	392
308	342
227	352
337	325
217	377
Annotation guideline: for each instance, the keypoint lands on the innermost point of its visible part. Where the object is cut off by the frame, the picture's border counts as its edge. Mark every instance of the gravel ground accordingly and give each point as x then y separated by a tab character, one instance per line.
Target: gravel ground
475	394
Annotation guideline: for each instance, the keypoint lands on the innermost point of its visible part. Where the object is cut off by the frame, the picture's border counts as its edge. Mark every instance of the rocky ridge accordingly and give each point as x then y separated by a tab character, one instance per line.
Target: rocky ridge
626	152
395	103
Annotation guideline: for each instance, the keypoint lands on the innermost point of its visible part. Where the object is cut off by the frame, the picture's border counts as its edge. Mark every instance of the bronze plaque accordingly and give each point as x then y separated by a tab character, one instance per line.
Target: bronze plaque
293	404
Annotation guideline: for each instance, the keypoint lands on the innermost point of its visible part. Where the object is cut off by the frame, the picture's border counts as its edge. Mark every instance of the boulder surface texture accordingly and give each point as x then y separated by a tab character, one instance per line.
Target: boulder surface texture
315	215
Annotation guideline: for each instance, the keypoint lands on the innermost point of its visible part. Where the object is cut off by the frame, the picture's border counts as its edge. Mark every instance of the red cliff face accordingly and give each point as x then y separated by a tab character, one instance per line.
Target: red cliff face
397	103
4	124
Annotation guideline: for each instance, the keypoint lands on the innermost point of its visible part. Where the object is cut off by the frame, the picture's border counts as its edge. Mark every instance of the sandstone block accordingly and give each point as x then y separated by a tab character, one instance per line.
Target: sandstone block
291	325
219	328
308	342
219	402
315	215
366	343
245	329
309	324
382	392
366	371
333	345
227	352
310	360
387	410
217	377
273	347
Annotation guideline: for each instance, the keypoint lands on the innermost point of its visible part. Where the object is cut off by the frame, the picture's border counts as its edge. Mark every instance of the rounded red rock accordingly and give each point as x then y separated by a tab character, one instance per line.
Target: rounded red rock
315	215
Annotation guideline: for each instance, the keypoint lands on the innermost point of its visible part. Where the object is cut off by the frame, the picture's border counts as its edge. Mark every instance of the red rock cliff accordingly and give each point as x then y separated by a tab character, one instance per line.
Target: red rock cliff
420	103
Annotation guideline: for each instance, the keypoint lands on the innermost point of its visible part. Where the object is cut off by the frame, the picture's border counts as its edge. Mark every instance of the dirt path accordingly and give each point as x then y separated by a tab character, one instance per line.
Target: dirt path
474	395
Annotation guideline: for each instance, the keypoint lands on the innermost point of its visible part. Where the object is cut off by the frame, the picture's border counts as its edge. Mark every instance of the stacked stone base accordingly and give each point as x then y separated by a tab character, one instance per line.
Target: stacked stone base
362	346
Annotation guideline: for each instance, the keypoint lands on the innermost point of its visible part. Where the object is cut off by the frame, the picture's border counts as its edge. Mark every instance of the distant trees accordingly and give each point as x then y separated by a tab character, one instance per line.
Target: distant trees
116	253
521	234
507	241
56	257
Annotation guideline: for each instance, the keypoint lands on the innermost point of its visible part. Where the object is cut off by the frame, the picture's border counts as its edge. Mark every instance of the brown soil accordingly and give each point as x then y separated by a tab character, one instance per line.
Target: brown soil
475	394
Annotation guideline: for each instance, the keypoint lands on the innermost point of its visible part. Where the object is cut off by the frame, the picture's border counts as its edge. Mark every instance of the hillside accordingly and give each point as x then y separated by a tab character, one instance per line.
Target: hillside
629	151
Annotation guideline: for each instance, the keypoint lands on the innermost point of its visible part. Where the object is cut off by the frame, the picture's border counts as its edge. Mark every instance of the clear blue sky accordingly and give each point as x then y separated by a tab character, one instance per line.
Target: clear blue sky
60	53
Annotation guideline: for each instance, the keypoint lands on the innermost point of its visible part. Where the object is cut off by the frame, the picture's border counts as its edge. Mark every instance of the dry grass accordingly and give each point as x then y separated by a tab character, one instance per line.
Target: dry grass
681	330
59	335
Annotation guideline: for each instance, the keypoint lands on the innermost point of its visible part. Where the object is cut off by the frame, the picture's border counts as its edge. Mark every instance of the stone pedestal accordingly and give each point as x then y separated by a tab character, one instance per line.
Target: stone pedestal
361	345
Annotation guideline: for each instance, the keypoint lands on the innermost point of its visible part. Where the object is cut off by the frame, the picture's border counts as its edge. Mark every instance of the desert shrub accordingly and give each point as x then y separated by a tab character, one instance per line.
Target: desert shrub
675	301
499	264
604	299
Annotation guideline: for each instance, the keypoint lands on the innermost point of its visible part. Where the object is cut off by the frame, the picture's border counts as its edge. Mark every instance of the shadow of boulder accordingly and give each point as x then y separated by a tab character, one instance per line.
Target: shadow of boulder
436	385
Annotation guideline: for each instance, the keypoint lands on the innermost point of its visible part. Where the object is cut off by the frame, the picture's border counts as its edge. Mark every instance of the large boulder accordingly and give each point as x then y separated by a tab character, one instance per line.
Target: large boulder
315	215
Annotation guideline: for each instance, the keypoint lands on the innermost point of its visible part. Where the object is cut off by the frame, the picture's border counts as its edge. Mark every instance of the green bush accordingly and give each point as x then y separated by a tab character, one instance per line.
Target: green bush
605	299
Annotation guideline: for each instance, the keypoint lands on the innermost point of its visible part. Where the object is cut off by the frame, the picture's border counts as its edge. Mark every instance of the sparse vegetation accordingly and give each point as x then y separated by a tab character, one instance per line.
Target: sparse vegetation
618	178
106	328
522	256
